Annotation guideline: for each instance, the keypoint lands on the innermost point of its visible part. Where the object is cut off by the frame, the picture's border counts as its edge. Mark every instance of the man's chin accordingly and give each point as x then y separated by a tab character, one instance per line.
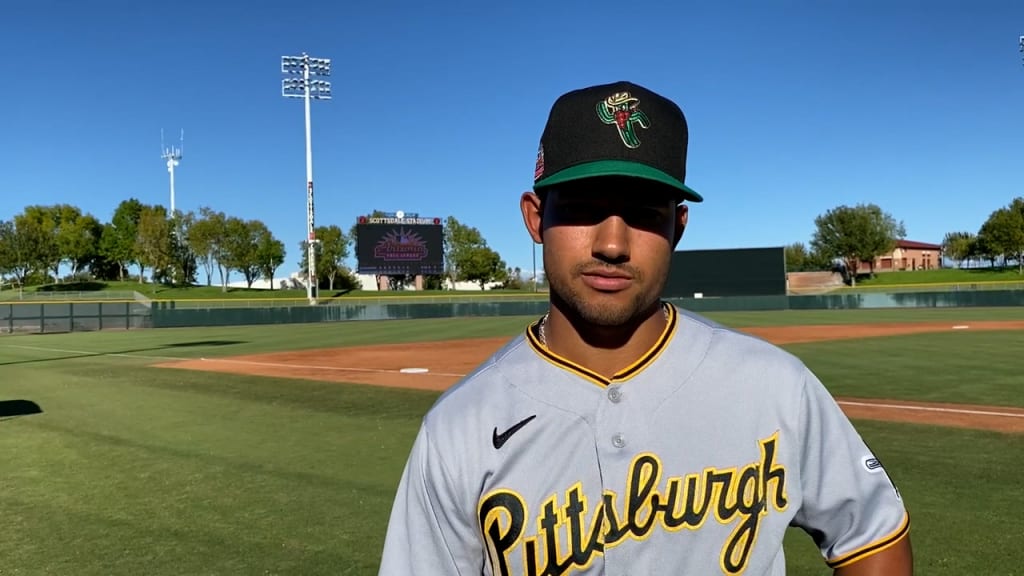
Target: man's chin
609	314
605	309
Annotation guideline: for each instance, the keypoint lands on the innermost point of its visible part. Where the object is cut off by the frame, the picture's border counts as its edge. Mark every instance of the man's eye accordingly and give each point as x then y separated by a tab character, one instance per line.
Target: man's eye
646	214
588	213
578	211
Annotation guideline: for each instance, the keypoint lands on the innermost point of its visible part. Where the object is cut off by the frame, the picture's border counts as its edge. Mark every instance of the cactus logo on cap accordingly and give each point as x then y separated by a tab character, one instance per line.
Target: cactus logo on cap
621	109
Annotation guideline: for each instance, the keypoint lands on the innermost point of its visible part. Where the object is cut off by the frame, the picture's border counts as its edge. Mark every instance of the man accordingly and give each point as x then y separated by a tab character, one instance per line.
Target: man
619	435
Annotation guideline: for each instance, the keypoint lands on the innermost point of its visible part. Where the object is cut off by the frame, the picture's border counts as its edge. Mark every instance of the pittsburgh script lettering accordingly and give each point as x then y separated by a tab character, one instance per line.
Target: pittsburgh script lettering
566	540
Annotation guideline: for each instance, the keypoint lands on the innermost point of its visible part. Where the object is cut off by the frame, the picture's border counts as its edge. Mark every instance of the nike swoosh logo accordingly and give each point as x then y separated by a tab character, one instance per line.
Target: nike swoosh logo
499	439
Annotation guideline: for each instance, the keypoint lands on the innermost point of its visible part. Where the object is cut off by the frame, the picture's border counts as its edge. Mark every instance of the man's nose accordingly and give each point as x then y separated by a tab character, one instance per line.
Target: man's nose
611	240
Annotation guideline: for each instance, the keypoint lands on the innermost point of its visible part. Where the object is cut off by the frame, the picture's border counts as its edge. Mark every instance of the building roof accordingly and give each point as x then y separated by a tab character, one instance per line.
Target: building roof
917	245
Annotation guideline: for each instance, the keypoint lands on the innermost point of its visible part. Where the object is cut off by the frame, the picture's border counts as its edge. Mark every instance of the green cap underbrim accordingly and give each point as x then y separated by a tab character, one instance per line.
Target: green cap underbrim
618	168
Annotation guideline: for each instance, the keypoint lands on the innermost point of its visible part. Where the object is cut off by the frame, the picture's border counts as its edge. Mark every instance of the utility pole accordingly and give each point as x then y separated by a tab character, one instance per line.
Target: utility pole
302	82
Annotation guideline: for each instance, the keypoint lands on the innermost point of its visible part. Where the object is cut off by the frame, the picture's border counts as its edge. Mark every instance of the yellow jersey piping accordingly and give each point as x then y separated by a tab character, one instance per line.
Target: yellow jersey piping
626	373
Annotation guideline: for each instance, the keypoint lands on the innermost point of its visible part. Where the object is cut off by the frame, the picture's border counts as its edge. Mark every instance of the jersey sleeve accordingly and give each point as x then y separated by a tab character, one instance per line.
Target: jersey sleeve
851	507
431	530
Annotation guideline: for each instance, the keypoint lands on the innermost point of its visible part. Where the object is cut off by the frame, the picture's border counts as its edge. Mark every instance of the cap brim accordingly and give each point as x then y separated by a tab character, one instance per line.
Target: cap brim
618	168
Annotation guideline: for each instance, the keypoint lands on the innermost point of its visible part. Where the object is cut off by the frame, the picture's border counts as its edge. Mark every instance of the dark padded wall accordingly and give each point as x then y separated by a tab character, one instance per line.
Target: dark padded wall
727	272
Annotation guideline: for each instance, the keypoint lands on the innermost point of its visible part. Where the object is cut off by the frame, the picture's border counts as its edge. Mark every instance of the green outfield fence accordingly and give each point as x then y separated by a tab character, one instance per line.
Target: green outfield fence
41	317
74	316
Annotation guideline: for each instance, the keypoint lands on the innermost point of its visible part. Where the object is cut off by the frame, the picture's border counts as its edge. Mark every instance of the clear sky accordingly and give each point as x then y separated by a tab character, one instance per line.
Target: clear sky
794	107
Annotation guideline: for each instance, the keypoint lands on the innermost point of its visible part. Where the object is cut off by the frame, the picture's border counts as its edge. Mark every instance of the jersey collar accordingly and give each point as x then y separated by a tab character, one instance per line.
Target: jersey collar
648	358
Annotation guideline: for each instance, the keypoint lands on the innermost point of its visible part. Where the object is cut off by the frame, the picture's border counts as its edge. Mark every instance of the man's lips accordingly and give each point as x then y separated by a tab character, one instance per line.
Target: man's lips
607	280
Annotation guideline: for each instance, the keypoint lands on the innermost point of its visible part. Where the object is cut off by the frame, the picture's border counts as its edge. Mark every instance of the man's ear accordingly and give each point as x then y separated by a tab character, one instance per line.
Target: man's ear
682	216
533	209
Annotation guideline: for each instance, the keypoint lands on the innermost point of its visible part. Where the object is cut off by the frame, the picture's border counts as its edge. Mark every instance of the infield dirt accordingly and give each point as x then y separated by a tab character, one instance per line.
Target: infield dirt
447	361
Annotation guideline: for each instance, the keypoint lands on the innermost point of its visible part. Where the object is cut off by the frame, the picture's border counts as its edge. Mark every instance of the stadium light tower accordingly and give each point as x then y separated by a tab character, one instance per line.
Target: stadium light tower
173	157
304	80
1022	44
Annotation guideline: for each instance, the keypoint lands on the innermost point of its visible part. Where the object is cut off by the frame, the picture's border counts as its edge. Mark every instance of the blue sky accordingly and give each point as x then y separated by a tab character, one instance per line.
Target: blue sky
794	107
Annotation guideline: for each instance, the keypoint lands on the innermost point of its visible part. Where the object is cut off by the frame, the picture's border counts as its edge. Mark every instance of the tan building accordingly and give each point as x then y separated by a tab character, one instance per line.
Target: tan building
908	255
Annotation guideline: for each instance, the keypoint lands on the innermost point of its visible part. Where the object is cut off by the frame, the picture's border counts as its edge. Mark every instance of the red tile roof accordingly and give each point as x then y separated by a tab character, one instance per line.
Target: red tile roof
917	245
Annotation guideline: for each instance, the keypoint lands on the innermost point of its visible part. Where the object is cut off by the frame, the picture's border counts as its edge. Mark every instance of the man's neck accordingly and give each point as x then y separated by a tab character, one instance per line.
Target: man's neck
605	351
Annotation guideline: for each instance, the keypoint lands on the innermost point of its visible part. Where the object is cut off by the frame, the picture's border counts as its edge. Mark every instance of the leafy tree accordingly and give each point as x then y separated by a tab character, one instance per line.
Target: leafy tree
957	246
512	279
15	255
78	237
251	248
985	245
332	249
269	254
118	240
460	245
102	268
183	265
856	234
347	280
480	264
154	244
800	258
239	249
37	230
468	257
207	238
7	254
109	245
433	282
1004	231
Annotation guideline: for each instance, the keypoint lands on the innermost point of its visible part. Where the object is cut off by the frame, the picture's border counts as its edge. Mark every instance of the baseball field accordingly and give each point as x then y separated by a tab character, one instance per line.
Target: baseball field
277	449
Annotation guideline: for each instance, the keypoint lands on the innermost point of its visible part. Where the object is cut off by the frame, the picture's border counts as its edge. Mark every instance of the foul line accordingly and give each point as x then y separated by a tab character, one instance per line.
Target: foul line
85	353
935	409
335	368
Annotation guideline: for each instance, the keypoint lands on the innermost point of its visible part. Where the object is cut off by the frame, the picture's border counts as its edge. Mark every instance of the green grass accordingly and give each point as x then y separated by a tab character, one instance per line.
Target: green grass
976	368
139	470
232	340
159	292
942	276
865	316
146	471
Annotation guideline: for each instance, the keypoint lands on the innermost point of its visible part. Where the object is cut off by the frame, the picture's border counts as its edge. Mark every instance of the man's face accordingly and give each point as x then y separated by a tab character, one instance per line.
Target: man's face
608	243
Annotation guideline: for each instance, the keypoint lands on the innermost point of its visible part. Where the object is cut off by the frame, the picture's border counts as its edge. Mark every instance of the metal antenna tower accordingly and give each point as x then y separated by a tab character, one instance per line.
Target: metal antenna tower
302	82
173	157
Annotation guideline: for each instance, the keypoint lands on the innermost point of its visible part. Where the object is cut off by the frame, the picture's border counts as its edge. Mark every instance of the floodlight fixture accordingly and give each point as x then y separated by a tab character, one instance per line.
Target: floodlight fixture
304	81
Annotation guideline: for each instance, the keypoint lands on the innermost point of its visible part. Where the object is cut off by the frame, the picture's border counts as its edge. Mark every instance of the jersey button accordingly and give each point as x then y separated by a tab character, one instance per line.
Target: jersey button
614	394
618	441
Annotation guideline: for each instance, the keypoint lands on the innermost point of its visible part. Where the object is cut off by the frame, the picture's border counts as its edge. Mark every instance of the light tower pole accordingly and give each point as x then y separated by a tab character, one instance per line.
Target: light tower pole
1022	44
303	82
173	157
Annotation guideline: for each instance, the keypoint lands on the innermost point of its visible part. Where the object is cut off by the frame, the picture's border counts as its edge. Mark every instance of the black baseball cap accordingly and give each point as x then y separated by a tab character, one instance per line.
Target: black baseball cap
617	129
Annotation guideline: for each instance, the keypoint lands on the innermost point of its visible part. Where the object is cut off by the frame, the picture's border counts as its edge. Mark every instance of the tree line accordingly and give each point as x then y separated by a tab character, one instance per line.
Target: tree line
1000	238
853	234
36	244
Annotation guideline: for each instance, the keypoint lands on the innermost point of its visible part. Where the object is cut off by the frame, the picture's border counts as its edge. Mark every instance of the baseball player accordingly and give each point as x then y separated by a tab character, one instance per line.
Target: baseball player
619	435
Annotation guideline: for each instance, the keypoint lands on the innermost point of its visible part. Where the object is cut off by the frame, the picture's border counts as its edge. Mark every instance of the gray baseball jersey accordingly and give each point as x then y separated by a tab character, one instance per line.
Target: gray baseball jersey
694	460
